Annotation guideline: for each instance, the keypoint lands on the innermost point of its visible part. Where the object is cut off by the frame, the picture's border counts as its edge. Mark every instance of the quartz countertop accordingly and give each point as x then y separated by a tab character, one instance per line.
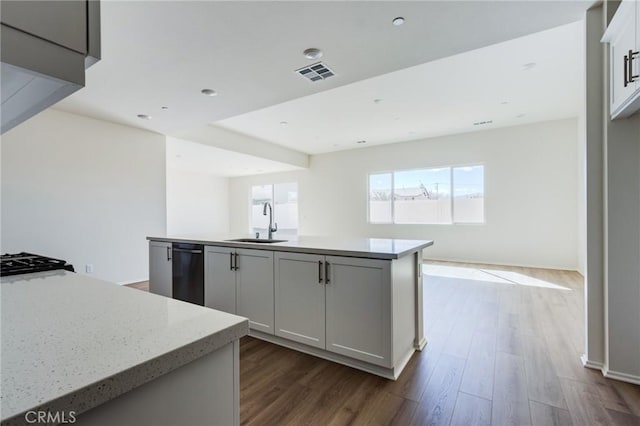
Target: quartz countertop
374	248
71	342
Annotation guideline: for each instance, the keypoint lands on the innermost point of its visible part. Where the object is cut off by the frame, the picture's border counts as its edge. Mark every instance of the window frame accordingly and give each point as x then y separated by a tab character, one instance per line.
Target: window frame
451	192
273	202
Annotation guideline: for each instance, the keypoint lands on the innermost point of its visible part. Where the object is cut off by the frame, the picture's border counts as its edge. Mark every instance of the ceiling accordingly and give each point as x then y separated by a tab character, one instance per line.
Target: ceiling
195	157
529	79
162	53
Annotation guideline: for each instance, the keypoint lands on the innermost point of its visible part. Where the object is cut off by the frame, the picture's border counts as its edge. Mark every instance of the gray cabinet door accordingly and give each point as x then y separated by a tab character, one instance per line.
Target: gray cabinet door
160	270
300	298
62	22
358	303
254	288
220	279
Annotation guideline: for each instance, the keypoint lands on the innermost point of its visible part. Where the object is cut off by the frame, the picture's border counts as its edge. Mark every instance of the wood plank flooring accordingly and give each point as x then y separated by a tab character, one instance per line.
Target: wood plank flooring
504	346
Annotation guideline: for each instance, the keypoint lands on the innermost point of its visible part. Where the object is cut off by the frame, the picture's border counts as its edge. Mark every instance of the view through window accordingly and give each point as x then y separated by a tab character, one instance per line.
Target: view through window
283	198
440	195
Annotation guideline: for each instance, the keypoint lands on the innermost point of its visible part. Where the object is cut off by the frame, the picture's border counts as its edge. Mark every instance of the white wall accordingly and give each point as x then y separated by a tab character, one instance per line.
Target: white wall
83	190
531	181
197	203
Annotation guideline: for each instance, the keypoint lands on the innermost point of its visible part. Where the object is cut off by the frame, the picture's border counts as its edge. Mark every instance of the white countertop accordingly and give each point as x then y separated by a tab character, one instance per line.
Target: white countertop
71	342
374	248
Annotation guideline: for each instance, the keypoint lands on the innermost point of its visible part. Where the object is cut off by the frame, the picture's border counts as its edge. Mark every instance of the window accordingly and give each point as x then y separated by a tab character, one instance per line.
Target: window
441	195
283	198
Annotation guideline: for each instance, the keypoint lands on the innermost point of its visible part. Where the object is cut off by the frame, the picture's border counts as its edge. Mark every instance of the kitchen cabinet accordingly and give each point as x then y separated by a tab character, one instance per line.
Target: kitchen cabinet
623	36
240	281
300	298
219	279
160	269
45	48
61	22
358	293
339	304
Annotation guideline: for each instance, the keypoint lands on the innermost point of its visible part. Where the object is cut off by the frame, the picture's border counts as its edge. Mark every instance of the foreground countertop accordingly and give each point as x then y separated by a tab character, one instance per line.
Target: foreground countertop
71	342
373	248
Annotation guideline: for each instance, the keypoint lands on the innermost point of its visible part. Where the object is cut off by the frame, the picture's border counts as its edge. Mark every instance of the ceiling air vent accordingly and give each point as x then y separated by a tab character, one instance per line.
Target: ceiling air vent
316	72
481	123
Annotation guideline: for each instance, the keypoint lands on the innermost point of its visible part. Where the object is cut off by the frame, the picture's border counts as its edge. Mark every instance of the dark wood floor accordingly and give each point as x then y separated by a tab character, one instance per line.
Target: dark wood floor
504	346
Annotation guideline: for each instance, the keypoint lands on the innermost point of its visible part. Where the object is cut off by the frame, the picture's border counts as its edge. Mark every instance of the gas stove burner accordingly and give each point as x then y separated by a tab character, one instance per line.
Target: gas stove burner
26	263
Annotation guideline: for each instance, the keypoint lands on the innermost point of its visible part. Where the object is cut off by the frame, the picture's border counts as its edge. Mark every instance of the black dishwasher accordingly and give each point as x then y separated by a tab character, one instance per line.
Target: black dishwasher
188	272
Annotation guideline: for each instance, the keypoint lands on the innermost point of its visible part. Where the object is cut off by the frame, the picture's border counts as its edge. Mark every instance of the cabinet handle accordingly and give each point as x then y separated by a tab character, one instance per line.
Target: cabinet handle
628	67
632	56
237	267
168	253
230	261
326	273
320	271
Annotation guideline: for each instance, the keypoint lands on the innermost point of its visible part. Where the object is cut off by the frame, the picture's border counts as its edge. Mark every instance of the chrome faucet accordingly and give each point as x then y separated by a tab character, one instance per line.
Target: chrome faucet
272	227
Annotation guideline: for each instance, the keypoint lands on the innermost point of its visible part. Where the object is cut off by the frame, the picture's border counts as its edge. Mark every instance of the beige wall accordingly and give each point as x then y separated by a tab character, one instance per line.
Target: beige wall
531	181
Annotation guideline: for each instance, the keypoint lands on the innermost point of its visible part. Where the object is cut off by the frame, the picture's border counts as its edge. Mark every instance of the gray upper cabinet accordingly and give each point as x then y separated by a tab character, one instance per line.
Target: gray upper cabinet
45	48
160	268
300	298
61	22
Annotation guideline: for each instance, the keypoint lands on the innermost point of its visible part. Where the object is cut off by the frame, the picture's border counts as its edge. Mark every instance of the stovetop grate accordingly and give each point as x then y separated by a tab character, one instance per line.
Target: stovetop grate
26	263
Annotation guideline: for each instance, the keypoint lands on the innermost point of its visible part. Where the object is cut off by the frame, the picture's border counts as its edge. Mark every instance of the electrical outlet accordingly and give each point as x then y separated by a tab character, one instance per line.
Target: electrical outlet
88	268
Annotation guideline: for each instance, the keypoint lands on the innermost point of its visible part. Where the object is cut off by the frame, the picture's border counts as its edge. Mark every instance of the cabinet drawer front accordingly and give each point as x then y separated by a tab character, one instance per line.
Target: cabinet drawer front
358	319
300	298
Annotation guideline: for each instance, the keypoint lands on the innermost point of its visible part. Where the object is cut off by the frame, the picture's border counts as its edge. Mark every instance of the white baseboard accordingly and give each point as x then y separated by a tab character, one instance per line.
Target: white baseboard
591	364
610	374
623	377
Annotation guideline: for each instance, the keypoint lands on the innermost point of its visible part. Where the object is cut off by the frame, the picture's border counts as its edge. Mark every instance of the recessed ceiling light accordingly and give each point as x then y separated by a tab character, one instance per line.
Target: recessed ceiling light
529	66
164	108
398	21
361	142
144	117
377	101
504	102
312	53
480	123
208	92
284	123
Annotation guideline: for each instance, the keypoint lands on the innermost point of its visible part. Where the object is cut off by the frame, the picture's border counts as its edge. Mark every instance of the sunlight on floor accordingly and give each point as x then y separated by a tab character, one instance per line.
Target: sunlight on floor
488	275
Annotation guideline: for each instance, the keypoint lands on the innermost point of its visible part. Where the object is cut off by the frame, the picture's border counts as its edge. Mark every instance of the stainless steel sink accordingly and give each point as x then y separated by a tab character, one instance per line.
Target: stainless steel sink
256	240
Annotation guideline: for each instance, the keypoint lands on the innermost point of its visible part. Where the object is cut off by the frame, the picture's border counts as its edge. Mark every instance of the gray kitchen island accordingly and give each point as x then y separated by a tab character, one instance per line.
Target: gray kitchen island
353	301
